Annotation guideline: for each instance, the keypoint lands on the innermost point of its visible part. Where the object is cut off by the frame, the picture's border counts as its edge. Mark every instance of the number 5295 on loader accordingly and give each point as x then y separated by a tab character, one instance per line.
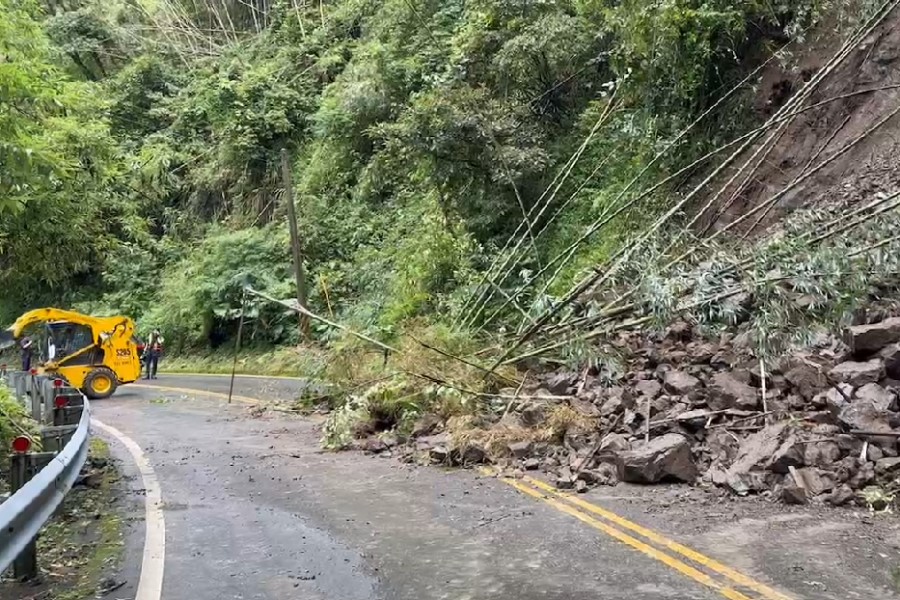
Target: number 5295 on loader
94	354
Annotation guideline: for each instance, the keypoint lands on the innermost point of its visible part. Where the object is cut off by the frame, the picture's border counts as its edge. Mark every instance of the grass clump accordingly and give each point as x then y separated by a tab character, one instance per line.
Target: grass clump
376	392
294	361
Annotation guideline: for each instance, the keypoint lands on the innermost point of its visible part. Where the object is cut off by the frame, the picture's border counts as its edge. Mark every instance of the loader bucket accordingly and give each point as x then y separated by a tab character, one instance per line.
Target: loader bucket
6	339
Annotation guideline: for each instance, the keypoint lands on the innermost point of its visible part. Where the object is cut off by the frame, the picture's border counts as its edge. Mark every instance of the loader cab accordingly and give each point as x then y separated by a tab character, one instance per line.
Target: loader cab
69	339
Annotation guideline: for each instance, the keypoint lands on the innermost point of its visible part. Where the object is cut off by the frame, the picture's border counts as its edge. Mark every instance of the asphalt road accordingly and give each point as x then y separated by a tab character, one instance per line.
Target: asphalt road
255	510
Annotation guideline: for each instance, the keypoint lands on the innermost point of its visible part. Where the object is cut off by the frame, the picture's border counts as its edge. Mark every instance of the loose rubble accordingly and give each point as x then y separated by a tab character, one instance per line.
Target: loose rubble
826	429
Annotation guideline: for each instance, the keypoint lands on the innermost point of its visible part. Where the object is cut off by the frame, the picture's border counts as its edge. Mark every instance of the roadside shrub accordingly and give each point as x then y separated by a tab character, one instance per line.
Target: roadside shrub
14	419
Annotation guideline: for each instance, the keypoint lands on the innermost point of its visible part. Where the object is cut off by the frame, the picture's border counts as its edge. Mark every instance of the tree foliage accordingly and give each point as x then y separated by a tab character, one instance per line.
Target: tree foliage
139	143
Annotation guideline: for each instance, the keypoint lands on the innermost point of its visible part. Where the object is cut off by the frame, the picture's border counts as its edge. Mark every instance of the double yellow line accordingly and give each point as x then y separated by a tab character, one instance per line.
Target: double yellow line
726	581
721	578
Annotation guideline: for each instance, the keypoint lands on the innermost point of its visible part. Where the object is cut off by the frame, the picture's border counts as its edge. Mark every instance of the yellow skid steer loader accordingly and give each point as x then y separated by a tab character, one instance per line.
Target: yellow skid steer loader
94	354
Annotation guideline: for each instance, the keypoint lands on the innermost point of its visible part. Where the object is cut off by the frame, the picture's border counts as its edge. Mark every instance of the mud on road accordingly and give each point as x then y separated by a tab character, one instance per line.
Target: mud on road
255	510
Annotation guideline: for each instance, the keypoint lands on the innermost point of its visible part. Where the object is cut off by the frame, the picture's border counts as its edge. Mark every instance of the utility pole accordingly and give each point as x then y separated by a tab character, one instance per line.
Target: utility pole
237	344
299	272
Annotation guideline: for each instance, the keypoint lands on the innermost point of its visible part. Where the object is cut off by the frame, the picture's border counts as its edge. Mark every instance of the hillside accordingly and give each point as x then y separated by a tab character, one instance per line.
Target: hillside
855	97
489	191
420	135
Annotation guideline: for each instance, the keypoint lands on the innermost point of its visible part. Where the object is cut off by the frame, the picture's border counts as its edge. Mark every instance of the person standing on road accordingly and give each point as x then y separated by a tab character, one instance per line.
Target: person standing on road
153	352
27	353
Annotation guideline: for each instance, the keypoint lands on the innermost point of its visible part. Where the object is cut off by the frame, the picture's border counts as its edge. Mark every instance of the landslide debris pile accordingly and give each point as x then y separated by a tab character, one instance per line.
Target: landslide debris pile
767	258
821	424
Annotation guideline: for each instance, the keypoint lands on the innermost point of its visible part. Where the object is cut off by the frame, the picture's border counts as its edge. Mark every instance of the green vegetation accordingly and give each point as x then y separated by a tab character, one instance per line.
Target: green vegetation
140	147
458	168
14	420
279	360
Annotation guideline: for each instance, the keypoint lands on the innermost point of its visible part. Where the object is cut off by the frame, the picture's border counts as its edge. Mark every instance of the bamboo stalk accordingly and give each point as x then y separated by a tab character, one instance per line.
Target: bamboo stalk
306	312
602	220
636	321
610	311
606	217
515	400
458	358
508	174
623	255
544	202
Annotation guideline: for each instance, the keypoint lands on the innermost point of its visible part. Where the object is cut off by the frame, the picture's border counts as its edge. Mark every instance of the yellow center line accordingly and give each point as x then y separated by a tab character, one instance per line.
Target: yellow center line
189	391
739	578
638	545
244	375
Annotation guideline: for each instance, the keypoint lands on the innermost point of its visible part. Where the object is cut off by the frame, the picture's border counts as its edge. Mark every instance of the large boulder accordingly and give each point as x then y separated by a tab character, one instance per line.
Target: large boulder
859	373
617	401
560	384
864	416
806	380
754	456
874	337
613	443
520	449
891	357
727	391
816	481
835	399
822	453
863	476
665	457
888	466
792	493
791	453
425	425
681	383
648	387
880	398
472	453
840	496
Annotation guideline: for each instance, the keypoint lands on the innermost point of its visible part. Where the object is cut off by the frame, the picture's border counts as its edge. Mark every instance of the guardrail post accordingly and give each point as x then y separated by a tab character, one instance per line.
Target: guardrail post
17	382
47	391
66	415
25	566
23	467
31	388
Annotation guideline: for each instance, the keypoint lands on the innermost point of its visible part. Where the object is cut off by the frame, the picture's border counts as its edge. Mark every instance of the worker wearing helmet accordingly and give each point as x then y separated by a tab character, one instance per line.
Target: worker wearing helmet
152	352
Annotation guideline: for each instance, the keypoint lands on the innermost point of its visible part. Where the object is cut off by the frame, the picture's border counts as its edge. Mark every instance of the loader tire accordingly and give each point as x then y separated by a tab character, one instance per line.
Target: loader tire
100	383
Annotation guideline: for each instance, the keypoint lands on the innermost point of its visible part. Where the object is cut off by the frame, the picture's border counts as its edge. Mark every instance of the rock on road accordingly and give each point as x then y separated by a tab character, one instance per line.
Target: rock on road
255	510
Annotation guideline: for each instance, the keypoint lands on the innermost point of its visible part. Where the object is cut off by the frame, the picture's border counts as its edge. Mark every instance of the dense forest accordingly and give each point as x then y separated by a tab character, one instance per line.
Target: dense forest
435	146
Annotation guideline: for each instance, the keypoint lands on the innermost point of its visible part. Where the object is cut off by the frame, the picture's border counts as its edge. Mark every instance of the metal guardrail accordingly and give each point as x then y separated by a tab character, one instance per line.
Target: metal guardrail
41	480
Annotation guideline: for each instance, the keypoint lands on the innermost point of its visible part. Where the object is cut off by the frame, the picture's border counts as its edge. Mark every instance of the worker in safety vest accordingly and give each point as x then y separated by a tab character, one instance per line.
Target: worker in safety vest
152	353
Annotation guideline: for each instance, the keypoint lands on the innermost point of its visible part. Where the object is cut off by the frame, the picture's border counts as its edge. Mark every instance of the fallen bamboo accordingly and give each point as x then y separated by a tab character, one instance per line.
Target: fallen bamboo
863	433
623	255
673	142
305	311
610	214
